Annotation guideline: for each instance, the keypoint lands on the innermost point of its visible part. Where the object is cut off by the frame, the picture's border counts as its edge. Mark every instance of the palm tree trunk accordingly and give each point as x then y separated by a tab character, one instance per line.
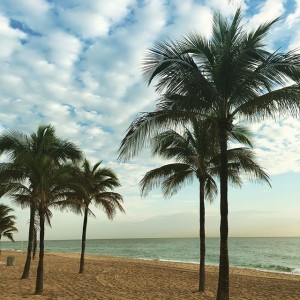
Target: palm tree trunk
81	268
26	270
34	243
202	238
40	269
223	284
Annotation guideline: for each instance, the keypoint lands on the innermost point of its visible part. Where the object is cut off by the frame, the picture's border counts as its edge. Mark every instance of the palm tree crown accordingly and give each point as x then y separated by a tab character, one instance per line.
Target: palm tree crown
97	182
197	155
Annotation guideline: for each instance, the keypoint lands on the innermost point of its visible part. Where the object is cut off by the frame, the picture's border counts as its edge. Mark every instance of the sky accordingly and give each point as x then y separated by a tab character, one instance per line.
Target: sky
76	64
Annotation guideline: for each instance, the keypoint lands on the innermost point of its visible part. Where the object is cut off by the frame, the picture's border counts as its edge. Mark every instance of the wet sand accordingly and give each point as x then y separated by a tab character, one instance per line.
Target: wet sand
121	278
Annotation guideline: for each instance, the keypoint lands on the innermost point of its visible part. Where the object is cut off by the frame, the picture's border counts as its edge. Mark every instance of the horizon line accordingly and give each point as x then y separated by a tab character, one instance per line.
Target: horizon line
135	238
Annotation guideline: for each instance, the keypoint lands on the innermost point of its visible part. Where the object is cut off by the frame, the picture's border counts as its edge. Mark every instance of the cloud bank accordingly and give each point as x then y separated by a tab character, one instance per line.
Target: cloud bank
77	65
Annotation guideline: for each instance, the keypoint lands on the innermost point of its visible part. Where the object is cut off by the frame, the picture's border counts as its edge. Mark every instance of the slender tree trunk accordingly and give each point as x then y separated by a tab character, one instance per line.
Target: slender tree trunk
40	268
223	284
26	270
34	244
81	268
202	238
0	244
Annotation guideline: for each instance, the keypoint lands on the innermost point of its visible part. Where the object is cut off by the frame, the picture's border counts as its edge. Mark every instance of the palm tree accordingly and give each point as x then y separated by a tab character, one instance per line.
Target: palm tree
197	155
54	186
25	153
94	185
7	223
227	77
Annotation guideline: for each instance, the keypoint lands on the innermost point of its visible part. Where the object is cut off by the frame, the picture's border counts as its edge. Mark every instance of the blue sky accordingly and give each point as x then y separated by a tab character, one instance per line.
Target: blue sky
77	65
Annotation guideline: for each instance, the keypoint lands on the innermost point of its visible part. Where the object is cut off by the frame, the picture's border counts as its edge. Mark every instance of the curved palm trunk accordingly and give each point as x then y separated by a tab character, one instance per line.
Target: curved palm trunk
202	239
26	270
223	284
40	269
81	268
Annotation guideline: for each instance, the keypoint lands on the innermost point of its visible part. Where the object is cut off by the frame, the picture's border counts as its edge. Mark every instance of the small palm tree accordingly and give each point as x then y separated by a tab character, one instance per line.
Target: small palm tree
94	185
227	77
7	223
197	156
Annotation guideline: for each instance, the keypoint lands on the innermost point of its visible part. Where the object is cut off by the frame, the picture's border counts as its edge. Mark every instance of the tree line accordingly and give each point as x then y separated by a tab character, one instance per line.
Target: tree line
45	172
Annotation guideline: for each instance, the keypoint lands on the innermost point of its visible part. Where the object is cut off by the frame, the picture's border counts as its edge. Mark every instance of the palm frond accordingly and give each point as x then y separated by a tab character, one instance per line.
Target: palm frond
211	189
7	222
241	134
279	102
243	160
148	125
158	177
176	181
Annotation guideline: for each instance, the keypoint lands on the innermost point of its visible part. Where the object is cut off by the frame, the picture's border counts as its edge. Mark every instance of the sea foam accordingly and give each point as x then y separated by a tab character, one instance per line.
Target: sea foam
296	271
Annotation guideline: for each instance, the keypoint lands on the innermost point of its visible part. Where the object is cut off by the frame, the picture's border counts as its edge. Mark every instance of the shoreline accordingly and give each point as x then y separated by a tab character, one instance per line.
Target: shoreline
110	277
297	273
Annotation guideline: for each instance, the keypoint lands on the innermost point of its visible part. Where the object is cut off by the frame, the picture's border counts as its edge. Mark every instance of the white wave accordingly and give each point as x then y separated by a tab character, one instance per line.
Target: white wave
296	271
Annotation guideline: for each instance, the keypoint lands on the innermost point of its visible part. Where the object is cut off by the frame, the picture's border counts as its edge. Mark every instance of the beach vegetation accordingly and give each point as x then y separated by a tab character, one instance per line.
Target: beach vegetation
34	177
226	77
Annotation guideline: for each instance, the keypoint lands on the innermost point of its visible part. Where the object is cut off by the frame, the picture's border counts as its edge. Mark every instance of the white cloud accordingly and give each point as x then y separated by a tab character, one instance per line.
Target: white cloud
35	14
91	19
268	11
277	145
10	37
292	22
294	17
64	48
190	16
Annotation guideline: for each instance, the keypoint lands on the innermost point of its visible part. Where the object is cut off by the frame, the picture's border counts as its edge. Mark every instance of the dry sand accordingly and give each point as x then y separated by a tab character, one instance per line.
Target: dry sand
120	278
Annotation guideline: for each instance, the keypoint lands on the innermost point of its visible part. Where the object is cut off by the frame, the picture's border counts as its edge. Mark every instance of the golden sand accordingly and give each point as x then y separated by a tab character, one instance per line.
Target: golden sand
120	278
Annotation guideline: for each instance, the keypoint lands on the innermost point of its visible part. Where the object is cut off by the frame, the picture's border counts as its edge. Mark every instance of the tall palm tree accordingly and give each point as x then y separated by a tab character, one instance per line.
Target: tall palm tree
24	152
197	155
7	223
227	77
94	185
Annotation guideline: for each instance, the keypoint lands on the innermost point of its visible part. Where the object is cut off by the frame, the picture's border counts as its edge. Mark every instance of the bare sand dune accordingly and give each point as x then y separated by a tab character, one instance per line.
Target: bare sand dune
118	278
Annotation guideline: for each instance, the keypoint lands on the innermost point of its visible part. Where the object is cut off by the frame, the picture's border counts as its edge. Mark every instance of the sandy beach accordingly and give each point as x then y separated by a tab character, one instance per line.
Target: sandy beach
121	278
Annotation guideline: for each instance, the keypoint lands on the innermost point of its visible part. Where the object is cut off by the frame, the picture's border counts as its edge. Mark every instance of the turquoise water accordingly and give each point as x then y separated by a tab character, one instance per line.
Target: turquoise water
272	254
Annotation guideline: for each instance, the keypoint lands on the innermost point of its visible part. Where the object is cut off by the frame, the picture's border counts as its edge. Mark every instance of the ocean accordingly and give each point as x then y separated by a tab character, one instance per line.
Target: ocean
271	254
